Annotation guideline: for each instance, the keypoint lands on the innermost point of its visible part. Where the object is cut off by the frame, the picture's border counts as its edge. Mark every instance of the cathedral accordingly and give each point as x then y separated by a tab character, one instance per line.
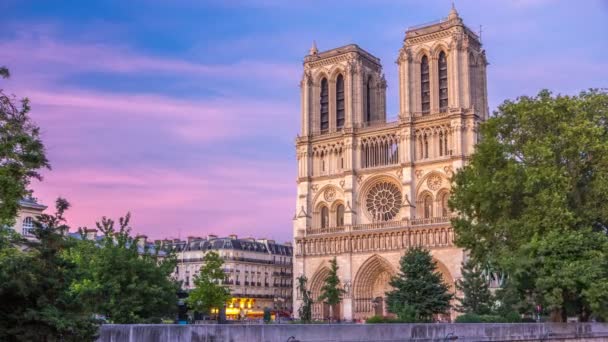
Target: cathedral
368	188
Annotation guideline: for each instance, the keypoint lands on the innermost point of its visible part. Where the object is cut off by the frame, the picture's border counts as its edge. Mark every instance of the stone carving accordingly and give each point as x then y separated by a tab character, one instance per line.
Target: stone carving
330	194
448	170
434	182
419	173
342	183
383	201
359	180
314	187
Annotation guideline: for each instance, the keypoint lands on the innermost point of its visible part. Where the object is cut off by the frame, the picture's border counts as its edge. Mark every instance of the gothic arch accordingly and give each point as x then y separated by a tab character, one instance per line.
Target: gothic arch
318	76
319	196
421	53
423	180
441	205
437	48
316	283
335	71
445	273
371	282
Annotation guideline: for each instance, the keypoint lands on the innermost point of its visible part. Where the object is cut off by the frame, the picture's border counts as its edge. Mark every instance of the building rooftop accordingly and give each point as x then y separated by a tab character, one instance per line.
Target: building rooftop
234	243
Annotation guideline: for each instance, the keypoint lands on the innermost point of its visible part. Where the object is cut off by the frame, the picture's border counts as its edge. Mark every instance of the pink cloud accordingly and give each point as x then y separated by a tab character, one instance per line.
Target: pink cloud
252	198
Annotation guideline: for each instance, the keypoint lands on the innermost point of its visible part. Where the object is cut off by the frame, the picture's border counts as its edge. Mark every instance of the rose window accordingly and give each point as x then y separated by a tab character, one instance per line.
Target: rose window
383	201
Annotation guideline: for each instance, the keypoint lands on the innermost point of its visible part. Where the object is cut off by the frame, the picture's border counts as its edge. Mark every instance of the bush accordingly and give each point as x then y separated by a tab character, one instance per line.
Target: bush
512	317
468	318
380	319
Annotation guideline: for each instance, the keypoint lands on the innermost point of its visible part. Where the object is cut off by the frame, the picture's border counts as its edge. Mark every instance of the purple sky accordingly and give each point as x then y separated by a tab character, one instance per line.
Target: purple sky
185	112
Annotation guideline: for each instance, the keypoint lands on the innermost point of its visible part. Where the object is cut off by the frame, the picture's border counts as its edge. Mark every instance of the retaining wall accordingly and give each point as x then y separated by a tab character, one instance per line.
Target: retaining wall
355	332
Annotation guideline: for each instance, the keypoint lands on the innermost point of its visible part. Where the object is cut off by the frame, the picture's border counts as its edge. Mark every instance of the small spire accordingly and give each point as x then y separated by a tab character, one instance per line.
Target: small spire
313	48
453	13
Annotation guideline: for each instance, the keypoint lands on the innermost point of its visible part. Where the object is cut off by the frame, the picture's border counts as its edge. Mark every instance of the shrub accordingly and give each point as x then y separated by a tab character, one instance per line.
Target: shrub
512	317
380	319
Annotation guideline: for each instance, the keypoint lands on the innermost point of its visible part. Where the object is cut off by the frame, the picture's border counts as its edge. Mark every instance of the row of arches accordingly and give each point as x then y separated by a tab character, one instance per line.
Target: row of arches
339	98
333	217
379	150
370	242
369	287
429	206
433	143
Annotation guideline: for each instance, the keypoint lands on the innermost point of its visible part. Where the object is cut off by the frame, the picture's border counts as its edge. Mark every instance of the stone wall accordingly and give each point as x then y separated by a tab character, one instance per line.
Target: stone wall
356	332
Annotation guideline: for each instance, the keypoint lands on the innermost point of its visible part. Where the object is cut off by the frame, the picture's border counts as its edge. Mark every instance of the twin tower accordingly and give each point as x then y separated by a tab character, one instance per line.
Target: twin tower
369	189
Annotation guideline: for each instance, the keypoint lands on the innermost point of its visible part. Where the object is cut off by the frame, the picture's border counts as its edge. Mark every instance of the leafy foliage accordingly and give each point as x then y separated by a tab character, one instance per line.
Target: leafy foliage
305	309
22	153
474	286
475	318
532	201
37	304
121	281
419	290
208	292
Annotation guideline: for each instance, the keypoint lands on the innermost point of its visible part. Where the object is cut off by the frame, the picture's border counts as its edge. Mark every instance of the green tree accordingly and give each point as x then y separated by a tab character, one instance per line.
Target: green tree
208	292
22	153
532	201
474	286
331	292
305	309
37	303
419	290
122	280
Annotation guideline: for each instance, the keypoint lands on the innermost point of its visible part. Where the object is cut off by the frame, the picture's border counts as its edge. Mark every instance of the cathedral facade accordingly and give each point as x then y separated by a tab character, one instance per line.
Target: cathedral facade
369	189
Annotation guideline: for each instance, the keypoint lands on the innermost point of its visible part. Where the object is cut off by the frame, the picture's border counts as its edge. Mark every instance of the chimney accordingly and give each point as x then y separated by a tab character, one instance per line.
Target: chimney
90	233
233	236
176	241
142	240
288	243
211	236
191	238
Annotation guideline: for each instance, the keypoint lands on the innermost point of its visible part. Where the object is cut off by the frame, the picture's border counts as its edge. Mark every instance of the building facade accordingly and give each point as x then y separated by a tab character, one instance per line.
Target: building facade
29	209
258	271
369	189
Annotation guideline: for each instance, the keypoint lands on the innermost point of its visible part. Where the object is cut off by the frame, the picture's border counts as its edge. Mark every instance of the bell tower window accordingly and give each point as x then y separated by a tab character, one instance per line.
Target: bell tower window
425	85
324	106
340	102
443	82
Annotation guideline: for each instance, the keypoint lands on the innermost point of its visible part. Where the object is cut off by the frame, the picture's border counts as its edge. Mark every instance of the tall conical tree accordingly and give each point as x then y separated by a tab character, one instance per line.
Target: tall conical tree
419	290
477	297
331	292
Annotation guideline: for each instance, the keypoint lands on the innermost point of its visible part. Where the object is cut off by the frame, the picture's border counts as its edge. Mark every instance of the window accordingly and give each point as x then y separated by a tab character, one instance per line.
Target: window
324	217
443	82
324	106
428	206
28	226
445	209
340	101
441	147
368	102
425	85
426	146
340	215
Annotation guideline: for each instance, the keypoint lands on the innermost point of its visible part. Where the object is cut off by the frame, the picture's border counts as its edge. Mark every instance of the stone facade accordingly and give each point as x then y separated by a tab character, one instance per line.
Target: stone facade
29	209
368	189
258	272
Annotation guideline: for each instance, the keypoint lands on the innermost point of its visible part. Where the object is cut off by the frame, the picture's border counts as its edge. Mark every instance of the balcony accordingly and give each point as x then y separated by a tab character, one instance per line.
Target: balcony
415	222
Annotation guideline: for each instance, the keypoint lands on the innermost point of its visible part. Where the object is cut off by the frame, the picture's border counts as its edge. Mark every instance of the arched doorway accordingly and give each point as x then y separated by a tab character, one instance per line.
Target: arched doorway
370	287
320	311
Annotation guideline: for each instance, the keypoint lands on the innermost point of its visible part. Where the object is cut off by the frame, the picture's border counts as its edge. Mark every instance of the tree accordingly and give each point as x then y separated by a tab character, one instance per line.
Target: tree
125	281
208	292
474	286
305	309
419	290
538	179
37	301
22	153
331	292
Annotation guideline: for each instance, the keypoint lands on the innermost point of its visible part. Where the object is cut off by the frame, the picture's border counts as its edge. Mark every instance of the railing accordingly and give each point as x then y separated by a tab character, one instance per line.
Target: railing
430	23
380	225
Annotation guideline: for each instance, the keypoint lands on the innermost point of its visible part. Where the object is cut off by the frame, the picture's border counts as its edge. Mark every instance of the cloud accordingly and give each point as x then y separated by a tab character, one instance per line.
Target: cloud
248	197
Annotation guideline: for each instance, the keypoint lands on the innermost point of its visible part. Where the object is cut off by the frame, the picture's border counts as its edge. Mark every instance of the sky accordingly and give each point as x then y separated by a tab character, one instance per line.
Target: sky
185	112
